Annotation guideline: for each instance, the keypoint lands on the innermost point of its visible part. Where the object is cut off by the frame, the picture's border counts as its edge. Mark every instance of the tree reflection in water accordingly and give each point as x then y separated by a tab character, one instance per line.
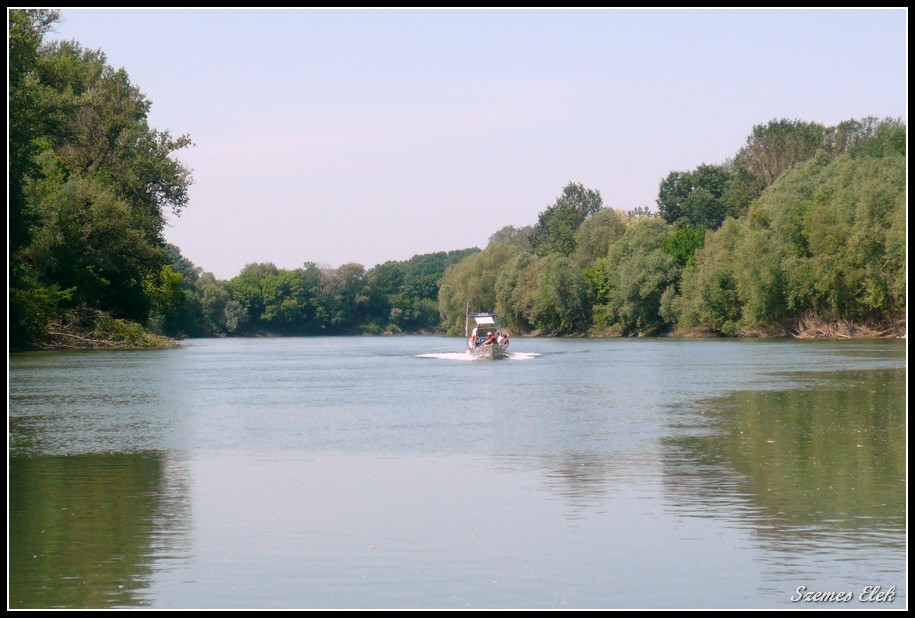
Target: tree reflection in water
809	466
87	530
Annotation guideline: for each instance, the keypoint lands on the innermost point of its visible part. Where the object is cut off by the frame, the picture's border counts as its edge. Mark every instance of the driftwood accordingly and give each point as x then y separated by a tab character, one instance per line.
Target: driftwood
94	330
92	343
814	327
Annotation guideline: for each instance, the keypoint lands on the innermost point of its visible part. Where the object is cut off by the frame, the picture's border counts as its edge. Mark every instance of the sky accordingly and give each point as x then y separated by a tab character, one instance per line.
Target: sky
336	136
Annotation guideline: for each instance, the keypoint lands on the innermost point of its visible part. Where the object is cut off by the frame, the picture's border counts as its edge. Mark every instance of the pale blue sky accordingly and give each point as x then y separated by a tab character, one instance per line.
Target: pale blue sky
367	136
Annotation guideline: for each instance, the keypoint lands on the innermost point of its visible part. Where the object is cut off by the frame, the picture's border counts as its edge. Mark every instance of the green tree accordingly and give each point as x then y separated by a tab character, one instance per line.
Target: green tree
521	237
107	135
247	289
595	236
641	212
214	298
346	298
639	274
88	244
870	136
775	147
472	282
384	287
185	318
695	198
682	243
510	286
287	301
557	225
709	286
824	239
559	299
90	183
34	112
894	260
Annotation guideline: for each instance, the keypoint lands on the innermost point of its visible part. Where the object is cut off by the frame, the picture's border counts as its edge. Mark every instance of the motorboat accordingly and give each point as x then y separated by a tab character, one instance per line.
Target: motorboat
485	337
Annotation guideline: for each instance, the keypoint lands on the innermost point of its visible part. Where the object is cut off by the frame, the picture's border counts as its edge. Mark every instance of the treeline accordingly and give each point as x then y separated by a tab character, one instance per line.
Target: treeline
89	185
805	225
262	299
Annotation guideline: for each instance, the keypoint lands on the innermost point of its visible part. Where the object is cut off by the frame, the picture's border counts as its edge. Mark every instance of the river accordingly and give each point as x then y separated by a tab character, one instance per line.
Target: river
391	472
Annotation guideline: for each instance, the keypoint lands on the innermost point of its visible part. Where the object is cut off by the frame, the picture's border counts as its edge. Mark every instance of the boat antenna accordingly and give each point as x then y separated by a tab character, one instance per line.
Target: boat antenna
466	320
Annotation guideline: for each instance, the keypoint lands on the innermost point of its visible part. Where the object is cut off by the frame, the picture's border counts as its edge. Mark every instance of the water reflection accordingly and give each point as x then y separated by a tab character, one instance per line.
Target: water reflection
349	473
87	530
587	480
810	471
581	477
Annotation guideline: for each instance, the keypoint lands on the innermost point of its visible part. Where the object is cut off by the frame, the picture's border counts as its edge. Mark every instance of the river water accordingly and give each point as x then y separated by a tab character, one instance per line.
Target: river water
391	472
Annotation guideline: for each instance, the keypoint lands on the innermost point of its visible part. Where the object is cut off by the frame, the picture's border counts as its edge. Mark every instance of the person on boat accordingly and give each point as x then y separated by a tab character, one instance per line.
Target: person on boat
473	338
499	337
491	340
504	339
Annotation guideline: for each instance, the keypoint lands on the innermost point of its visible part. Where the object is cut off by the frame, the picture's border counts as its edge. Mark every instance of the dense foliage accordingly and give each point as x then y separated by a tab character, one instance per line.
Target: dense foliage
805	222
828	238
392	297
89	186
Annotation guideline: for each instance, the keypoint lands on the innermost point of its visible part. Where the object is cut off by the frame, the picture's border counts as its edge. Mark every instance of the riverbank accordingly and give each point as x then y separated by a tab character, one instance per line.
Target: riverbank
99	331
808	327
95	330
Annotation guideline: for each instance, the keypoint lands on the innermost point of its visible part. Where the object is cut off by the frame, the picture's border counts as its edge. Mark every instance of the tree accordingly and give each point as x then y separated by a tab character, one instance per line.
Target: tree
183	266
33	113
472	282
695	198
595	236
87	244
33	301
520	237
869	136
384	287
561	300
824	239
682	243
404	295
185	317
557	225
213	298
775	147
344	291
639	274
247	289
709	297
90	183
287	300
641	212
510	286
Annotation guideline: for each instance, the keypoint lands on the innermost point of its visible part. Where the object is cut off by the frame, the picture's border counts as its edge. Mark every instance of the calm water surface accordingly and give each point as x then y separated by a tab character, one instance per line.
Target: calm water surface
391	472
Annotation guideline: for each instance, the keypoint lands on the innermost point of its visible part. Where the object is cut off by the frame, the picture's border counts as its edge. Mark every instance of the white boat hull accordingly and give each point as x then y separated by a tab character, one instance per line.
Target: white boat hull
493	351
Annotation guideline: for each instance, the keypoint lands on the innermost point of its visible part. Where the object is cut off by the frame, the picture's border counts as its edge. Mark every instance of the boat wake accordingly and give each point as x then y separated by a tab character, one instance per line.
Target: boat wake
457	356
524	355
463	356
